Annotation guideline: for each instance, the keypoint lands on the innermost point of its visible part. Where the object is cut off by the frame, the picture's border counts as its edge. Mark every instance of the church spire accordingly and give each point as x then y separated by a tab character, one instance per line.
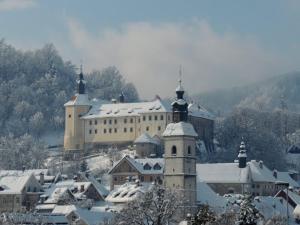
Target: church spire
180	106
242	155
81	82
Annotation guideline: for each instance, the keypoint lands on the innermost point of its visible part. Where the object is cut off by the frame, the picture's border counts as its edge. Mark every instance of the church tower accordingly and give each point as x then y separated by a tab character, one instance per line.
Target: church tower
180	156
74	109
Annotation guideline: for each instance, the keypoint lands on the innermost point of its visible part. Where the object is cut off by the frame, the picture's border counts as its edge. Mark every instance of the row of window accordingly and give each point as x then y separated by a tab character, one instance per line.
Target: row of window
115	130
129	120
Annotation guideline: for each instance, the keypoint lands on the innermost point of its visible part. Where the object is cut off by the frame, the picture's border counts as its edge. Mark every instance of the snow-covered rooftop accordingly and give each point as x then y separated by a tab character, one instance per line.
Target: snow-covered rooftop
145	138
180	129
154	165
222	173
79	99
14	184
127	192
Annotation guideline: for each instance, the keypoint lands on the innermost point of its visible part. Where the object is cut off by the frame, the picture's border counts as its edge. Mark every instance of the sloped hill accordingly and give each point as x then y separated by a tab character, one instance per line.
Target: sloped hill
266	95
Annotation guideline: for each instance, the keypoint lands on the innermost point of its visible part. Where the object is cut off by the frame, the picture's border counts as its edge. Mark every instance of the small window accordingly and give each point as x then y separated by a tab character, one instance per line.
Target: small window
155	117
144	118
189	150
90	131
104	131
109	121
116	130
115	178
139	120
158	128
147	128
90	122
131	129
142	178
131	120
69	115
104	121
125	129
174	150
116	121
96	122
150	118
161	117
151	178
125	120
109	130
168	117
96	131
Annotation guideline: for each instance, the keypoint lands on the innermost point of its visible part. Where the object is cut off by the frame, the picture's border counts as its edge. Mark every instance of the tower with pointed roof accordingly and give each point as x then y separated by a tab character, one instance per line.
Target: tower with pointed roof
74	126
242	156
180	151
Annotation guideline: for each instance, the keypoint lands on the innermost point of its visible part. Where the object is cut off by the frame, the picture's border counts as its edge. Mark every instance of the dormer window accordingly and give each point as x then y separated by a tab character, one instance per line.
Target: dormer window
147	167
174	150
157	167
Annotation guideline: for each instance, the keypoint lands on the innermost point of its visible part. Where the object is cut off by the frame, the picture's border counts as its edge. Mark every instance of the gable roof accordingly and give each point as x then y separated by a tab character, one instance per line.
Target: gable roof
15	184
145	138
222	173
138	164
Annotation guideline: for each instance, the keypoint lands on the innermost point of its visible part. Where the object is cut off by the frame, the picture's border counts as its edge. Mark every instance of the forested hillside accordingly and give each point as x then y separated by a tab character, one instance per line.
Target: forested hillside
266	95
34	85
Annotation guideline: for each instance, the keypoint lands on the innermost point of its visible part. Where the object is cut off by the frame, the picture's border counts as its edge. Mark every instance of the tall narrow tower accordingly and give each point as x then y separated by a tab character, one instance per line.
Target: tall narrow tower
180	156
74	125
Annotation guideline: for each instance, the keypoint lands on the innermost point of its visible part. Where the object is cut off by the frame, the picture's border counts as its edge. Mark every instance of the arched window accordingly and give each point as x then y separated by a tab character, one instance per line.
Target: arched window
189	151
174	150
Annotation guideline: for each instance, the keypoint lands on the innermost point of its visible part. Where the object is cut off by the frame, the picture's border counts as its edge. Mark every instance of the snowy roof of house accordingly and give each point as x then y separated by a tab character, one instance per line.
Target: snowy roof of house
14	184
63	209
36	172
79	99
222	173
127	192
285	177
139	164
57	194
145	138
126	109
180	129
260	172
200	111
205	195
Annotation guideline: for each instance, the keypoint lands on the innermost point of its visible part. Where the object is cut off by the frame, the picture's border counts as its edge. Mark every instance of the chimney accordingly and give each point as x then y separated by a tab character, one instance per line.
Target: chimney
113	100
275	173
121	98
23	168
261	163
42	178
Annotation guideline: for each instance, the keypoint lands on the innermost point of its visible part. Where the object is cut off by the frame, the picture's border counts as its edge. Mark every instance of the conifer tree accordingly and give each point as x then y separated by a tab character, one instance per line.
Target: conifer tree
249	215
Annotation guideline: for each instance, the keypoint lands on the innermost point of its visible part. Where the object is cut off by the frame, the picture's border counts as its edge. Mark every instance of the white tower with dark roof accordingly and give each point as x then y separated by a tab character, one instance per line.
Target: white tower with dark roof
78	106
180	155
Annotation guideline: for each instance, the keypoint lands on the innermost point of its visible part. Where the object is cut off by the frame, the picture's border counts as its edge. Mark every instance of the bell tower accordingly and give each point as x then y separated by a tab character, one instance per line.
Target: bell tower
180	152
74	109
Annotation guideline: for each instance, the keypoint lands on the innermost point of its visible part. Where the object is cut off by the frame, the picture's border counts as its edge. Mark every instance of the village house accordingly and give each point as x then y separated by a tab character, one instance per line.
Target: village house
19	192
128	169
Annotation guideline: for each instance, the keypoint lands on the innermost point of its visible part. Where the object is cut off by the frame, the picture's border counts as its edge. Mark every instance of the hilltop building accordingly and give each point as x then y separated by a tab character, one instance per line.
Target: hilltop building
89	124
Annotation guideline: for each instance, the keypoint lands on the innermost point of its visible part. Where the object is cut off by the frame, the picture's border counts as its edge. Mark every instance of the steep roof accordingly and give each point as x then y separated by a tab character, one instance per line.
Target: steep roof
145	138
138	164
127	192
260	173
79	99
180	129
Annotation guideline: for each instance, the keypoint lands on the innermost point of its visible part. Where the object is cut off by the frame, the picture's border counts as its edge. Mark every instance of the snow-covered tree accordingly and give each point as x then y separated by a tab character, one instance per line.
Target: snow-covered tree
204	216
248	215
159	206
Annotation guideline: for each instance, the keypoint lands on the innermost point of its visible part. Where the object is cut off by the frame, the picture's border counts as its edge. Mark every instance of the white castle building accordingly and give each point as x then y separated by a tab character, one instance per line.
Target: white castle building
94	123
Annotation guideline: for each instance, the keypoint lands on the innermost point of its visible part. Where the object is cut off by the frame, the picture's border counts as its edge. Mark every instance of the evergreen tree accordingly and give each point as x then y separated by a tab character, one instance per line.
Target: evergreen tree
204	216
249	215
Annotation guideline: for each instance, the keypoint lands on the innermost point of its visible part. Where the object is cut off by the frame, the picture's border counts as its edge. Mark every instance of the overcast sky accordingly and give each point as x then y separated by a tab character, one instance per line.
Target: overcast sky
218	43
